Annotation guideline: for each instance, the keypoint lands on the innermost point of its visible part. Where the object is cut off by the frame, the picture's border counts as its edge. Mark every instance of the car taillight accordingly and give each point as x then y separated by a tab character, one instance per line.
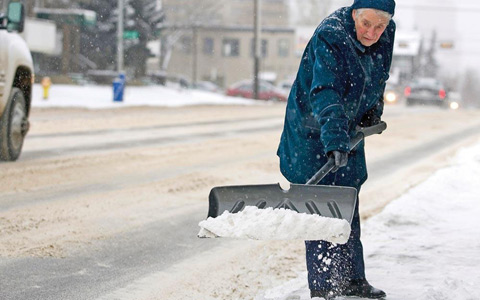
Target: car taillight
442	94
408	91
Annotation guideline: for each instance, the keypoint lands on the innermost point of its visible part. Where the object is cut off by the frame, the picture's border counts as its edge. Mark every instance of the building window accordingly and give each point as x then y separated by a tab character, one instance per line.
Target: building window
283	48
208	46
231	47
264	49
186	45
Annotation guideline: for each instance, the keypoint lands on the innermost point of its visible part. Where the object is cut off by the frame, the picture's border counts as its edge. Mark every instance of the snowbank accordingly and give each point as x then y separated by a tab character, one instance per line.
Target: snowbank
275	224
424	245
96	96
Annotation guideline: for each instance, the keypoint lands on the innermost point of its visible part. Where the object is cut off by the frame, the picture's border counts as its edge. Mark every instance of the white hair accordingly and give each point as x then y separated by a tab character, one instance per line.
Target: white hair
381	13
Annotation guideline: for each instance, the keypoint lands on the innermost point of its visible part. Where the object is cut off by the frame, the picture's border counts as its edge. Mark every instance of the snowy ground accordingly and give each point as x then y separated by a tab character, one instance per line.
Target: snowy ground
425	244
99	96
411	253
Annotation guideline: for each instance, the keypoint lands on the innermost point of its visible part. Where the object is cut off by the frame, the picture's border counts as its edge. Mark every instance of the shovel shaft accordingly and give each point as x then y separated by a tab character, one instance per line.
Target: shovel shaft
361	134
323	171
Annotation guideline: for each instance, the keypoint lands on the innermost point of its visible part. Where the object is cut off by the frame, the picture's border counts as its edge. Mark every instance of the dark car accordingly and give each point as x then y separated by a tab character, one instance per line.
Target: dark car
267	91
427	91
392	94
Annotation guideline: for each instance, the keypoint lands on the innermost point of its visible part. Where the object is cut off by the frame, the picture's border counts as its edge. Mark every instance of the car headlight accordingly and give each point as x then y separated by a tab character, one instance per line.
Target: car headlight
454	105
390	97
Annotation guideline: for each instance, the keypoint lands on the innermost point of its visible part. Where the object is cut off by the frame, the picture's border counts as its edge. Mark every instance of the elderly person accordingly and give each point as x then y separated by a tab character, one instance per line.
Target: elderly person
339	86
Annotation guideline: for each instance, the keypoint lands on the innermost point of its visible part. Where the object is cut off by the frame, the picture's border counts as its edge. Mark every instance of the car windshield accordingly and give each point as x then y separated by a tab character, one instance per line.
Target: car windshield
427	82
265	87
243	86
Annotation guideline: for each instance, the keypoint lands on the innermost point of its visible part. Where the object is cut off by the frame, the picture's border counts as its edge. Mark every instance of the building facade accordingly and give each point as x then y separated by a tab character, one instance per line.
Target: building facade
406	56
220	47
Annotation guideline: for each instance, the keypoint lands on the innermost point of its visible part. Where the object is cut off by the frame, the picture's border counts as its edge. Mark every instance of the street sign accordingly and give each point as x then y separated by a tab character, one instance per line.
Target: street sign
447	45
130	35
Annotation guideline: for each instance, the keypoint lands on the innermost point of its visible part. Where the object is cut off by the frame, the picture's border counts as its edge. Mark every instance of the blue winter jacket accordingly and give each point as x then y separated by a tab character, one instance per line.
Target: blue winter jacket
339	81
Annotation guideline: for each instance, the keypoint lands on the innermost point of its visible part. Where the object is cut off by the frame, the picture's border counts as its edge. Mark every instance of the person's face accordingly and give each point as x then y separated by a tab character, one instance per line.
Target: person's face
369	26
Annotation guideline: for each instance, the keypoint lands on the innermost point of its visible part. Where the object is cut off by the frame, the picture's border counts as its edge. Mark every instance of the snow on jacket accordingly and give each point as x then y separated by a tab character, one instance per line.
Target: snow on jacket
339	80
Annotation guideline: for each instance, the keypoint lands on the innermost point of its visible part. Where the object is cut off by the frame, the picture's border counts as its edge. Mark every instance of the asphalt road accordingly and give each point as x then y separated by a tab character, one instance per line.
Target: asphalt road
107	266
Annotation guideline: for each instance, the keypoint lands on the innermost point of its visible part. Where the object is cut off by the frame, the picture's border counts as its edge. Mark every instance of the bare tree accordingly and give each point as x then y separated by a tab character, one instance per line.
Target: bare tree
144	19
430	66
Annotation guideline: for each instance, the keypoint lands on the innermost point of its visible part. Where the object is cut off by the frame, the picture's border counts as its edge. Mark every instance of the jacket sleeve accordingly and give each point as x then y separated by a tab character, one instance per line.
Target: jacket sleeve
373	116
328	85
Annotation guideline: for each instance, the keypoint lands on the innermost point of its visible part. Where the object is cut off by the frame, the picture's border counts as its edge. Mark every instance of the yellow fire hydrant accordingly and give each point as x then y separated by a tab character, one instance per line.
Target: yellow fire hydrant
46	83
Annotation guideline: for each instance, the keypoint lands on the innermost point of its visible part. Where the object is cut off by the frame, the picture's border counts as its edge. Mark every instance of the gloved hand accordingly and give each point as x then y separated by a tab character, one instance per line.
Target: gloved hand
369	119
341	159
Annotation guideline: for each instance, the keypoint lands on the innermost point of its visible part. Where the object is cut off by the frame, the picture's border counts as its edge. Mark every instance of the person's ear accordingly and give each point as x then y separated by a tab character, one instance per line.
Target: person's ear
354	13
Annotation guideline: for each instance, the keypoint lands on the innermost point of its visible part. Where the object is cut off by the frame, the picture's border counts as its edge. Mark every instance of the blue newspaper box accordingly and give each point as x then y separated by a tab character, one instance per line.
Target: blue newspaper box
118	88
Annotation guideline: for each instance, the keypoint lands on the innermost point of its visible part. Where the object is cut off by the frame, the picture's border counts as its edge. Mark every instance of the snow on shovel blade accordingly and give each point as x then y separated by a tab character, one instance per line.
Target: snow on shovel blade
327	201
275	224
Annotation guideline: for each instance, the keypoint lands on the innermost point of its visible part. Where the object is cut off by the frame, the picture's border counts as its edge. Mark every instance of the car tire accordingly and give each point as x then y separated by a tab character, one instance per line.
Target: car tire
13	126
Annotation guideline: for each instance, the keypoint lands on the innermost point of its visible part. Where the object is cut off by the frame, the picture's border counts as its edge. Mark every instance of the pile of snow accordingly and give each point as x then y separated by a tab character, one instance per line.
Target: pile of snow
97	96
275	224
424	245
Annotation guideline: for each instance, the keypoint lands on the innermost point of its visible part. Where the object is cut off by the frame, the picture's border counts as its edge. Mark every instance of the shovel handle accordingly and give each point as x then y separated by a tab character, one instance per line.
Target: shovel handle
362	132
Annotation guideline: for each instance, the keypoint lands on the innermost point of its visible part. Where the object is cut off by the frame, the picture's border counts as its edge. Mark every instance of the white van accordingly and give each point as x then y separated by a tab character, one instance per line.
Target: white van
16	79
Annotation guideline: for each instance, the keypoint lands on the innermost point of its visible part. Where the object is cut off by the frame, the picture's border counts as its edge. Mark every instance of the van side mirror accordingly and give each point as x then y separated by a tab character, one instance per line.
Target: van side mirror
15	16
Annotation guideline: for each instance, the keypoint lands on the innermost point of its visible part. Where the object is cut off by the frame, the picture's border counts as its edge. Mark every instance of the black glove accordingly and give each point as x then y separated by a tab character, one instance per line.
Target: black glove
341	159
369	119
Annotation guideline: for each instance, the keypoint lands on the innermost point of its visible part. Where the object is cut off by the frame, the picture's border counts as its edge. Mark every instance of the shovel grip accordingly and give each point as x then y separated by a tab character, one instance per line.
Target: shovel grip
361	134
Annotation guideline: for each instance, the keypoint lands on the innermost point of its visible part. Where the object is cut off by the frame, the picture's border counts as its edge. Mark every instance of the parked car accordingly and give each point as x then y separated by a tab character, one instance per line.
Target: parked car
80	79
426	90
207	86
177	82
285	86
267	91
102	76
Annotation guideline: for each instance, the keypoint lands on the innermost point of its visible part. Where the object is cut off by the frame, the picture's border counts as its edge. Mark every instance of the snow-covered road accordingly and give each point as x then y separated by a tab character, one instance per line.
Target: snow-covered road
105	200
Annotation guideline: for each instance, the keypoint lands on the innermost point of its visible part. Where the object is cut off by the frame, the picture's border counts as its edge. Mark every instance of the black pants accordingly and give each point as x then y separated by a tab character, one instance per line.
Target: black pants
330	266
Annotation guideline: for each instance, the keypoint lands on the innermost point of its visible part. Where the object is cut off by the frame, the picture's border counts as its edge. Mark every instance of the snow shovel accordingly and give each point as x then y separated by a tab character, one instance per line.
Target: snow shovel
327	201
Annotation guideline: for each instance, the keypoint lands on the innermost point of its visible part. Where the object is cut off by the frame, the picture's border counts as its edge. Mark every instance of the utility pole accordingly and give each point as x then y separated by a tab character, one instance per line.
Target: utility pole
161	46
195	54
257	48
120	36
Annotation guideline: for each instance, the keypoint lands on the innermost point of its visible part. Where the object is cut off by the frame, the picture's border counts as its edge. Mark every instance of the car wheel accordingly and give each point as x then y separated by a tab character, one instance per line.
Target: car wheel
13	126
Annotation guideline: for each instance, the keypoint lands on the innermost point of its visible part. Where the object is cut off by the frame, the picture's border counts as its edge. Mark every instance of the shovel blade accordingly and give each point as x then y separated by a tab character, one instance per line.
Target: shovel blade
327	201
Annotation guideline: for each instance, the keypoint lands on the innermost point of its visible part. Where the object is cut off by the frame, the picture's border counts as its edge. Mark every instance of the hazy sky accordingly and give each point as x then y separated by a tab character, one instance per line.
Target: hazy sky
456	21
